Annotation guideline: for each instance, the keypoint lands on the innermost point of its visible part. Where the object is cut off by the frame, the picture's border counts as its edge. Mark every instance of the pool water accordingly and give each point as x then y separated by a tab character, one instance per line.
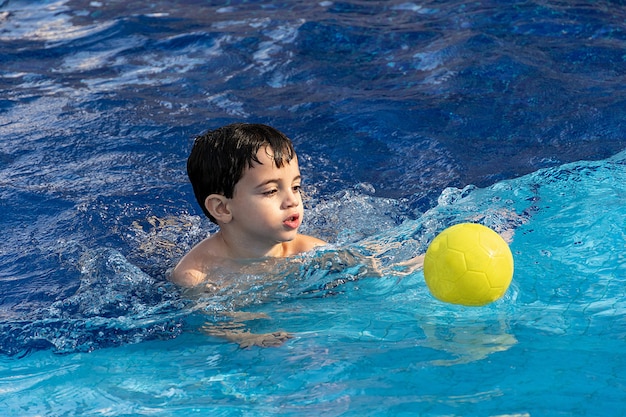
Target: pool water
407	117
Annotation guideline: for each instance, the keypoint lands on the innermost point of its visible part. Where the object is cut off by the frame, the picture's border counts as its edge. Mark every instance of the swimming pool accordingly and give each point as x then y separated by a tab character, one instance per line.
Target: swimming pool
407	117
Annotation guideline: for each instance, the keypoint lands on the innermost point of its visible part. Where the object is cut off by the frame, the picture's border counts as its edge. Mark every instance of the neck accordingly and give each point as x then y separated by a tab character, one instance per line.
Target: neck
234	249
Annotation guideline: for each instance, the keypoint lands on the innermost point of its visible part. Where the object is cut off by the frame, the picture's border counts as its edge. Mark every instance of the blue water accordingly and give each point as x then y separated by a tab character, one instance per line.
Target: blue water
407	117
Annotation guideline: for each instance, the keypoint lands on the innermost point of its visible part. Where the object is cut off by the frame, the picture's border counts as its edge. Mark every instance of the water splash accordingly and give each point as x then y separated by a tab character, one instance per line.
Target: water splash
116	303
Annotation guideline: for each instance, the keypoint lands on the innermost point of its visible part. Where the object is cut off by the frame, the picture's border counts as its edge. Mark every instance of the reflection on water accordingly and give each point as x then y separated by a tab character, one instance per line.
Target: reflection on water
407	118
467	342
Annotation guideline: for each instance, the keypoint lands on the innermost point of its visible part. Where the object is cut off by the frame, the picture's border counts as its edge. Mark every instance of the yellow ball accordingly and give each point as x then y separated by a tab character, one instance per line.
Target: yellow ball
468	264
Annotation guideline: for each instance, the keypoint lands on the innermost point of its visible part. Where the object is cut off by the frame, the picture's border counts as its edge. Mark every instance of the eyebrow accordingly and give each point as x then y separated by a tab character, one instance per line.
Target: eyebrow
276	180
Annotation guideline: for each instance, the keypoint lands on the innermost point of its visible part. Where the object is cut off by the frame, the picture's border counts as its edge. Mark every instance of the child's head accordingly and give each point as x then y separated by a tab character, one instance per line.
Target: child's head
220	157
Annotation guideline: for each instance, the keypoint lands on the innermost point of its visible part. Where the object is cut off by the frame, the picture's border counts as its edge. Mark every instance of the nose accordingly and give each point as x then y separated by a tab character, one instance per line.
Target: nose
292	199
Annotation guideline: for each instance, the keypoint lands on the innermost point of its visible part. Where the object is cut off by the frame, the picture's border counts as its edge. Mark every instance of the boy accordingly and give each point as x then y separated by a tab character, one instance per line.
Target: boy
247	180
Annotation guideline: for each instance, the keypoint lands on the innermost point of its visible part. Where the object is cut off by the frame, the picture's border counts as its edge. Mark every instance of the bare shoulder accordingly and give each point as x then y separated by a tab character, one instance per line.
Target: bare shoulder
191	269
186	277
305	243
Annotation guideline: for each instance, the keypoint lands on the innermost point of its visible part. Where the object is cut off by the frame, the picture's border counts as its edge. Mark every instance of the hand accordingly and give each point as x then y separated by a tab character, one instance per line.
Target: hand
247	339
244	338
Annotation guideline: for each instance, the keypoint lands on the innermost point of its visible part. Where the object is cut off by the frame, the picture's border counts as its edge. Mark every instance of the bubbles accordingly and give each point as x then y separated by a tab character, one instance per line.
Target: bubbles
350	215
99	108
116	303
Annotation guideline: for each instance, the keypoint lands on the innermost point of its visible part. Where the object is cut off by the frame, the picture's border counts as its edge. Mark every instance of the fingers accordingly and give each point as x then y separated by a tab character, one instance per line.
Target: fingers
276	339
264	340
236	332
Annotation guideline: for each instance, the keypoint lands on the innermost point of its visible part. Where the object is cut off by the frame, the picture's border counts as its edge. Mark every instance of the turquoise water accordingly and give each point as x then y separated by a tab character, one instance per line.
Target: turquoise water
552	346
408	117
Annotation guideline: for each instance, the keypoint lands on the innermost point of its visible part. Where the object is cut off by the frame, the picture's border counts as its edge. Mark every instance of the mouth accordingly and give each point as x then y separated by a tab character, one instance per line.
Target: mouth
292	222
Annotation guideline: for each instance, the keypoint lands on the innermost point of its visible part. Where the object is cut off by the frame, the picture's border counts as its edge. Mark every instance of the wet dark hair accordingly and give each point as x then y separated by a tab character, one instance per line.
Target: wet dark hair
219	157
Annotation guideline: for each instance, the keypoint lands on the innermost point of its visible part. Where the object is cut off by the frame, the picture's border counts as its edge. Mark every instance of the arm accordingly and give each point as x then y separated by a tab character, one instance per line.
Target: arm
186	277
235	331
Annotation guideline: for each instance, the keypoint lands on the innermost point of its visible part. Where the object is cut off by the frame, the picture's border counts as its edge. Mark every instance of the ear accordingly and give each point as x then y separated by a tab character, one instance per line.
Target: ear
217	205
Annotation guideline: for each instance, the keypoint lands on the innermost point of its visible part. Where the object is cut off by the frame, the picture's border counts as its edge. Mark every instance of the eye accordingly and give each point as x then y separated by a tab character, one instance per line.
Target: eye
296	188
270	193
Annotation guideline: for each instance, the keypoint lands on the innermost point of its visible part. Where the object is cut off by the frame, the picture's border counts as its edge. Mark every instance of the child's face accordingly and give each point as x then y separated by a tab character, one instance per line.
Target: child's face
267	206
